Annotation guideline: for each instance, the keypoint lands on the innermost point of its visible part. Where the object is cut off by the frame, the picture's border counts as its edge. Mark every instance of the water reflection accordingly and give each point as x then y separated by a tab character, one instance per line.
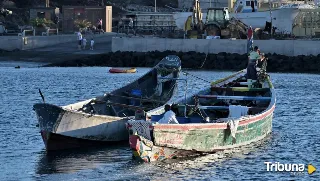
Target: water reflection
70	161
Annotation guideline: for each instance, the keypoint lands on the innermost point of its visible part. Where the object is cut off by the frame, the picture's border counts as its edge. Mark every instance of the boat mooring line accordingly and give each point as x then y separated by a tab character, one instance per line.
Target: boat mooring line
187	73
203	61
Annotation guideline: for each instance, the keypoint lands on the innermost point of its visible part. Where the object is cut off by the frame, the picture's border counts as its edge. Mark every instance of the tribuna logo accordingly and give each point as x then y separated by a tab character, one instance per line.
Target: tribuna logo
279	167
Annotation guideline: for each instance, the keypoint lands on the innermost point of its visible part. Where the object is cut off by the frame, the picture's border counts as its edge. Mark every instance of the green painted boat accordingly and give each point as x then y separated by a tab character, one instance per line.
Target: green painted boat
209	121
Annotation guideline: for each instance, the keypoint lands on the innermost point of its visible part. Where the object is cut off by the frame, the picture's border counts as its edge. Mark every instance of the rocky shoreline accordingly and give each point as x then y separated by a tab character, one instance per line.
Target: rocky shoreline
194	60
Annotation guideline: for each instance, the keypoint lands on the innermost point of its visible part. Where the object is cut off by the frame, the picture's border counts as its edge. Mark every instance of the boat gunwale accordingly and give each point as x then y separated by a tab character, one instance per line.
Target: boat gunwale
80	112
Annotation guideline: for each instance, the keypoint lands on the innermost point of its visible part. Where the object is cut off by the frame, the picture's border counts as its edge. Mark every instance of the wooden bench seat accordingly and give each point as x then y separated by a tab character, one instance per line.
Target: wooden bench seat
244	98
240	89
227	108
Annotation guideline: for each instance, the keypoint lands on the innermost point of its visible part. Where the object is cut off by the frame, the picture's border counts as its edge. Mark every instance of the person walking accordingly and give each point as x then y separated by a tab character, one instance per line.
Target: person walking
84	43
91	43
79	40
100	25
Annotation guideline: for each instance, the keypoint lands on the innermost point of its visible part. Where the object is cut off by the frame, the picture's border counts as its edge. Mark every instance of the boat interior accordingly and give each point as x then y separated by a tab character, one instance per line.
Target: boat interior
220	104
146	93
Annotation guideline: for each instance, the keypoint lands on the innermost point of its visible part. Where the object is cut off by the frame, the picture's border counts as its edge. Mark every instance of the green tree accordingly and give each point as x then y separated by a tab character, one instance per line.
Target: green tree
82	23
41	22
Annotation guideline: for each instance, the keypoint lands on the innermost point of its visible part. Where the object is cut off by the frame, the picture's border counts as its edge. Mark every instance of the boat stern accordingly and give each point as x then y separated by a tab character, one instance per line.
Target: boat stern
140	132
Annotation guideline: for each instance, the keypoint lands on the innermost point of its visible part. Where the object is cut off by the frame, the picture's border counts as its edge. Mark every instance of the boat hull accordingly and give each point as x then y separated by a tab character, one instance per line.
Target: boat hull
60	124
175	141
114	70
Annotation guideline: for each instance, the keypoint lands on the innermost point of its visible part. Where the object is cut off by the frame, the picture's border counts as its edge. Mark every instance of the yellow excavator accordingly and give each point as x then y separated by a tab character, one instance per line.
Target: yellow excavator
217	23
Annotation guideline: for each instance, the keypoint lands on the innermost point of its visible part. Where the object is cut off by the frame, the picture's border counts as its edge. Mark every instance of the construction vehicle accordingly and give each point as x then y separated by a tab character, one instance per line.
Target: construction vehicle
217	23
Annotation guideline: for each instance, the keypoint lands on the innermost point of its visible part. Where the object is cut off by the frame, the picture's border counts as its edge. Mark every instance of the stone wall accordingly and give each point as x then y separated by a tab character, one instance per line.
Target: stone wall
194	60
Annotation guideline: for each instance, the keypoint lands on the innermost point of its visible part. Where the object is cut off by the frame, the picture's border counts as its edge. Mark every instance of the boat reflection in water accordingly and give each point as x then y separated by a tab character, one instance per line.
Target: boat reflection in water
71	161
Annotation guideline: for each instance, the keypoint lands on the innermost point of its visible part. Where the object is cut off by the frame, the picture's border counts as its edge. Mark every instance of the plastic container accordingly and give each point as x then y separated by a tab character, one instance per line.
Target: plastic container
136	93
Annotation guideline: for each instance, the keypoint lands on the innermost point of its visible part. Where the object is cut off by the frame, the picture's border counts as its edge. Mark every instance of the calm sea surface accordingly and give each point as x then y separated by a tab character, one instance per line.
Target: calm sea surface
295	137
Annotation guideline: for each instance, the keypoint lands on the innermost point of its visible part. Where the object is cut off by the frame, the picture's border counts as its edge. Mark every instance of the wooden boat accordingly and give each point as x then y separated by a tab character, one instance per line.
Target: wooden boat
223	116
117	70
101	120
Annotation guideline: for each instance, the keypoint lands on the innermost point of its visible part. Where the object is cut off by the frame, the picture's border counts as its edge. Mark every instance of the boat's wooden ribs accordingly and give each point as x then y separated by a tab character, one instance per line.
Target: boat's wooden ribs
240	89
244	98
128	106
136	98
122	105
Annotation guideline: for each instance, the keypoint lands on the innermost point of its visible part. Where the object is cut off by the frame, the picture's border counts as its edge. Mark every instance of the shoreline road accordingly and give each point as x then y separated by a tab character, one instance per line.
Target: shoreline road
60	52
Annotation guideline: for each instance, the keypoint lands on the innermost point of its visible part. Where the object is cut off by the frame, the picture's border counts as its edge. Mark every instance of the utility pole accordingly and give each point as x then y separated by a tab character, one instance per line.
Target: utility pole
155	5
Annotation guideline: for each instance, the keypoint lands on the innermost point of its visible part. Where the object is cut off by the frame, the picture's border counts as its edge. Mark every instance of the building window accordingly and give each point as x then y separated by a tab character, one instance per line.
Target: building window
41	15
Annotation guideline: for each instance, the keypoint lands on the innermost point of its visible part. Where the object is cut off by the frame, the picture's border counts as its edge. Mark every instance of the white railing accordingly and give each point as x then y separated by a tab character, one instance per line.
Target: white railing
26	31
48	31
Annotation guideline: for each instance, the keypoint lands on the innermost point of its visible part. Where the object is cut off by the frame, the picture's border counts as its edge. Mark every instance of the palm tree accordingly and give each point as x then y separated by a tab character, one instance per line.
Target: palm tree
82	24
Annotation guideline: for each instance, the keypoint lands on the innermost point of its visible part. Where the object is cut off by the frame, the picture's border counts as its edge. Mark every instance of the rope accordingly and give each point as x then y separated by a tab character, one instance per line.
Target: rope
187	73
204	61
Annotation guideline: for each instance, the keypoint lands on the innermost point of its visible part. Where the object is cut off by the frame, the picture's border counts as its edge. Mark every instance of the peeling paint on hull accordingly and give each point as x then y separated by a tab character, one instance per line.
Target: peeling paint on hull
196	141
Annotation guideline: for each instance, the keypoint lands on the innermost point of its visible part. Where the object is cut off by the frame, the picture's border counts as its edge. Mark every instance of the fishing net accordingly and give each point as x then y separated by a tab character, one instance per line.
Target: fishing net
141	128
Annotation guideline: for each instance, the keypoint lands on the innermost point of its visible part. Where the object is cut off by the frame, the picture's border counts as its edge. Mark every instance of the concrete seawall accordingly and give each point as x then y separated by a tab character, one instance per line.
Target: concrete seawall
10	43
280	47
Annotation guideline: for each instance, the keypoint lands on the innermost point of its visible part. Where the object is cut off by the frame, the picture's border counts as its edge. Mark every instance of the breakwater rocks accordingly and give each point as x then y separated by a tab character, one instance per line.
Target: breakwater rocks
194	60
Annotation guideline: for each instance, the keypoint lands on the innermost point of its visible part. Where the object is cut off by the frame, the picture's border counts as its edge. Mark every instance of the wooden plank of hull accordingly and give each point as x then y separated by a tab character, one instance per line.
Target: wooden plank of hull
212	137
92	127
80	125
149	153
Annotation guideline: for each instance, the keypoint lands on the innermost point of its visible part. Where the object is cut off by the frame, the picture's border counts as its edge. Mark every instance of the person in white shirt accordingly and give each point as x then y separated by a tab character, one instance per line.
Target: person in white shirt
91	43
169	116
79	40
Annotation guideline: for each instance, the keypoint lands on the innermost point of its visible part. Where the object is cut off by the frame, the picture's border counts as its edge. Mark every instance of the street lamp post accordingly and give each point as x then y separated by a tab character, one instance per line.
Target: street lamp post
155	5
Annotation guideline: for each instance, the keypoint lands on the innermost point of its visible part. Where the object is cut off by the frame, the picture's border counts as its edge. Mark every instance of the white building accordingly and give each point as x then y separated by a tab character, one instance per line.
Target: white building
204	4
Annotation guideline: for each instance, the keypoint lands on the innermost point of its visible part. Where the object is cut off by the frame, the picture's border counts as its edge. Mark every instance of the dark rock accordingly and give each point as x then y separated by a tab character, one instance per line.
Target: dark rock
194	60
